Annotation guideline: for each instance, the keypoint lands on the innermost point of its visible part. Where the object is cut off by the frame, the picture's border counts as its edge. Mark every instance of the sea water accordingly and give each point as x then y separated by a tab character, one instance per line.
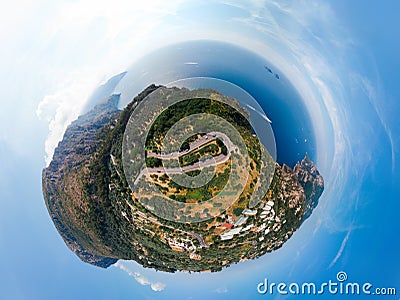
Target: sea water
291	122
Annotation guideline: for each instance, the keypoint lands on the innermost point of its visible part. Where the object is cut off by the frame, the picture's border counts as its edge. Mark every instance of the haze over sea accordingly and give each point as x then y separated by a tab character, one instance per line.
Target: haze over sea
341	56
261	79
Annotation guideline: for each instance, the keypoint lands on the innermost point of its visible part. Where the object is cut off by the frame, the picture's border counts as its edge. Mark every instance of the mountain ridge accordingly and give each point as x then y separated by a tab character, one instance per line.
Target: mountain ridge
81	187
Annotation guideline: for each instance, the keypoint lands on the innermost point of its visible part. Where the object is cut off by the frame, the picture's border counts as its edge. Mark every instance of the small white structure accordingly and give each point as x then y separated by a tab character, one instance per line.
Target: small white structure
248	227
262	227
267	208
229	234
249	212
225	236
235	230
240	221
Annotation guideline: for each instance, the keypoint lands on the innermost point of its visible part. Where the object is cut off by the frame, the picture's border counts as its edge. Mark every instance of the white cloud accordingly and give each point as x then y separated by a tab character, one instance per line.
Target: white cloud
63	106
221	290
84	39
295	50
308	43
371	92
341	249
279	31
158	286
142	280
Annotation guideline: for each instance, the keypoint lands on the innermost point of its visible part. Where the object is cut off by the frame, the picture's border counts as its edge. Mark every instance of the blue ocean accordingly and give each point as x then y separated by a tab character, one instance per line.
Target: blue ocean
261	79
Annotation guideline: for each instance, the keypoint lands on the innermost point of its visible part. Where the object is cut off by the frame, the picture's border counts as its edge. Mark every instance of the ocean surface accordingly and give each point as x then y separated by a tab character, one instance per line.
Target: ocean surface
261	79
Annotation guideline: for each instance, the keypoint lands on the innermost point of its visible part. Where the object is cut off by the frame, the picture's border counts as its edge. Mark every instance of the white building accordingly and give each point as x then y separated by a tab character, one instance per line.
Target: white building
240	221
229	234
225	236
270	203
249	212
248	227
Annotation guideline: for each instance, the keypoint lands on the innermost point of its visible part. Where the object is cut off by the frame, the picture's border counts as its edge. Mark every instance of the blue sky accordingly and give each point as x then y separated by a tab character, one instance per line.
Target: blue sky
341	56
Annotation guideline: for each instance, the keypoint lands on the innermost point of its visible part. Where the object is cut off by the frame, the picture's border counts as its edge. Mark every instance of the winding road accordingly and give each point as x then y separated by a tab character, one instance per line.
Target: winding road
192	147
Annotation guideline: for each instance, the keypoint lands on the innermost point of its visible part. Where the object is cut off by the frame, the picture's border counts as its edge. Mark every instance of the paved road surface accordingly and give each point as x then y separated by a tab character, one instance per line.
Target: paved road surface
193	146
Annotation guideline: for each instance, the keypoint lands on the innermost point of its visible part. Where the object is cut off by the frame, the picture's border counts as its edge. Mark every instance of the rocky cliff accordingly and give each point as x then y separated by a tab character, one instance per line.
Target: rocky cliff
92	207
312	183
60	178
